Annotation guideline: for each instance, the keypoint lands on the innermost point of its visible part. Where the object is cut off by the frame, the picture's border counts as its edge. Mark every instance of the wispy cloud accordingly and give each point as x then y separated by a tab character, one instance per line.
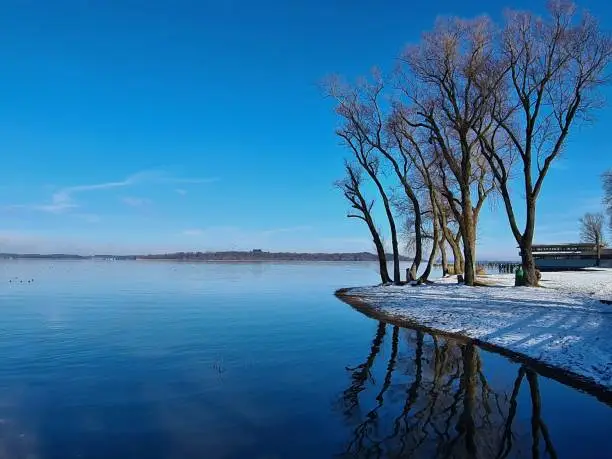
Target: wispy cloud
178	180
135	202
63	200
180	191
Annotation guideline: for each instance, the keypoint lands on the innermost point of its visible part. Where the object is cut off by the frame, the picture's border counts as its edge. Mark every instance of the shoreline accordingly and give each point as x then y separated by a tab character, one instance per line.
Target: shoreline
416	308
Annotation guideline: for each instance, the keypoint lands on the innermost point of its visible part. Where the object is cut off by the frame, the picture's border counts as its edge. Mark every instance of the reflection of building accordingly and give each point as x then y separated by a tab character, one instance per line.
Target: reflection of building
551	257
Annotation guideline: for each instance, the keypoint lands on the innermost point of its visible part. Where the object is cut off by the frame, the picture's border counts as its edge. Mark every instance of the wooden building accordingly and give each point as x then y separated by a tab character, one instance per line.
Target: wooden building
558	257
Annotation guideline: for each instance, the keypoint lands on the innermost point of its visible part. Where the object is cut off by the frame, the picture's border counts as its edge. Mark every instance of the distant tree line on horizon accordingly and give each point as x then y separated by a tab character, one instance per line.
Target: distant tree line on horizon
254	255
474	110
258	255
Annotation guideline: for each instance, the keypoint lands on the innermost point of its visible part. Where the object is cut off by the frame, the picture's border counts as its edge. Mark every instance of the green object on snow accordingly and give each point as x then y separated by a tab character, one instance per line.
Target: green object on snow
519	277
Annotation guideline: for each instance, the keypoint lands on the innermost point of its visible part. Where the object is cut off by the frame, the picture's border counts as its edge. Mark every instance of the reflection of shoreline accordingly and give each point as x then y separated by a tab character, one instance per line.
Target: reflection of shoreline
561	375
435	401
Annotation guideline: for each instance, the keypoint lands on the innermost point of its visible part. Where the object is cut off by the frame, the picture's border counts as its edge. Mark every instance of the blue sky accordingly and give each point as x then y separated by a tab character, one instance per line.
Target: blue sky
192	125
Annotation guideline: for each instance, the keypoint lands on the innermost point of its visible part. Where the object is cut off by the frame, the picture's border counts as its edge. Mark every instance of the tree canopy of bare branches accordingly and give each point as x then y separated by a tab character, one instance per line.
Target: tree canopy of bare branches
365	122
544	81
472	110
362	209
441	103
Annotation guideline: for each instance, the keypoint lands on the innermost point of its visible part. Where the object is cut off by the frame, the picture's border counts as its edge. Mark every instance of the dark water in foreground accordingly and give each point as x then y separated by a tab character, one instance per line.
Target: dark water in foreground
160	360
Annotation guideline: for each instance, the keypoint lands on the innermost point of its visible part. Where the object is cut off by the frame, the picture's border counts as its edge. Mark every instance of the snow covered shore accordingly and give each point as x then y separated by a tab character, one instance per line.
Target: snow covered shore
564	325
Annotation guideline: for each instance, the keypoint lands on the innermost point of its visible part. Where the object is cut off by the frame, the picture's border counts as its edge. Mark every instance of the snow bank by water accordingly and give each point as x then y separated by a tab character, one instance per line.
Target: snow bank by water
564	325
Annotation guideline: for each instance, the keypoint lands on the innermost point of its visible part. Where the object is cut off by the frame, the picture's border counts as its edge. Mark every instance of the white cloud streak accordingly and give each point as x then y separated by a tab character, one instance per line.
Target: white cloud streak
63	200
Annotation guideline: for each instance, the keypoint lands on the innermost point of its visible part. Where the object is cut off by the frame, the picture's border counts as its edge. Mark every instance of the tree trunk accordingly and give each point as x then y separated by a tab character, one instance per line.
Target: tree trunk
380	248
455	246
418	252
598	242
529	267
416	205
382	260
432	254
469	249
468	232
442	247
528	264
452	240
457	256
397	279
397	276
382	265
461	260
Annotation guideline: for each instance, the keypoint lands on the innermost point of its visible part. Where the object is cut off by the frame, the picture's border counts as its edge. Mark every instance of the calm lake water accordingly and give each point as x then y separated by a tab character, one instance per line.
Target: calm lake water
168	360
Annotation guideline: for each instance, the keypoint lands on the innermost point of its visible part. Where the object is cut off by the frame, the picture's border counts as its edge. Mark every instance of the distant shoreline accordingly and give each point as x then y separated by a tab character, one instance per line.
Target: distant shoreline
227	256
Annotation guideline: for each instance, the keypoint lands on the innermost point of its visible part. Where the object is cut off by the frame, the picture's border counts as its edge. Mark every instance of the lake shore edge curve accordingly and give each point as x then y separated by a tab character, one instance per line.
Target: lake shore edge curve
355	297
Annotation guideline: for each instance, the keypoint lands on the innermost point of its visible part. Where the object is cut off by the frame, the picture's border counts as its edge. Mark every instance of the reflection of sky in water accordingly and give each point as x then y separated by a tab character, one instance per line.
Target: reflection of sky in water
147	359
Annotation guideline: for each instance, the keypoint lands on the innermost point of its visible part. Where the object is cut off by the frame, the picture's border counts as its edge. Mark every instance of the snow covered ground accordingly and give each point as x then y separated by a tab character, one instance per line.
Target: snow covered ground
564	325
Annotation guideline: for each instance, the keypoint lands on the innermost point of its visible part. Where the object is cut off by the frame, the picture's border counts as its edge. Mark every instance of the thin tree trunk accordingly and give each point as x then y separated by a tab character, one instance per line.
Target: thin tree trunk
380	248
598	242
397	276
416	207
418	251
452	240
461	259
442	246
354	195
394	242
382	256
458	261
393	229
454	243
432	254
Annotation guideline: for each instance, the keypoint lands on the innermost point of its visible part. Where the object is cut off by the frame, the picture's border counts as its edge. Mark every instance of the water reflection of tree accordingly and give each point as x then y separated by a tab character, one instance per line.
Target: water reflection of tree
435	401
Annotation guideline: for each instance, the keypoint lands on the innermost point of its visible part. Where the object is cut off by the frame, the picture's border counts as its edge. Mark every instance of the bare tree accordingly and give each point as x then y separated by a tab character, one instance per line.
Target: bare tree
362	209
441	84
591	231
365	155
360	107
408	140
544	80
607	200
